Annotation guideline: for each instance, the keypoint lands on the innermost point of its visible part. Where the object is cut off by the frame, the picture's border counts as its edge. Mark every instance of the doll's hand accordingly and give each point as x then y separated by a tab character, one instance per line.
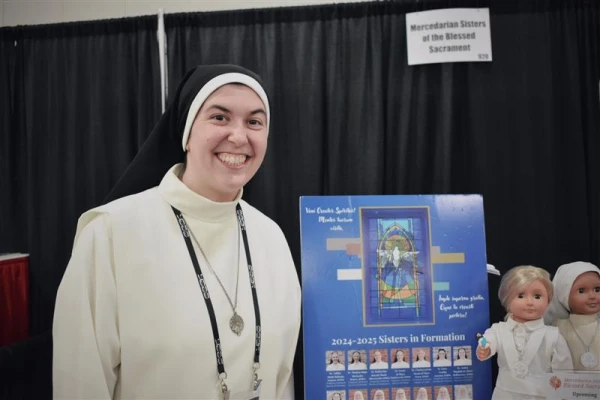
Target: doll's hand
483	353
482	340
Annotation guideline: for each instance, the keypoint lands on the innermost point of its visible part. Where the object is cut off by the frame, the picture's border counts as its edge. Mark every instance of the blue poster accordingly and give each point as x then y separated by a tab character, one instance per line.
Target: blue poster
394	294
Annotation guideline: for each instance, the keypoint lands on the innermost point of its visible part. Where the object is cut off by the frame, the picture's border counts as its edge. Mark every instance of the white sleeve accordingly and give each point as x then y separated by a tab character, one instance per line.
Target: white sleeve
561	355
86	354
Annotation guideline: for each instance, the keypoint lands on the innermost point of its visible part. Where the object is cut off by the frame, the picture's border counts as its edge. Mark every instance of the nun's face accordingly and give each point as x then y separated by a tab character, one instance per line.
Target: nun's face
399	355
227	143
444	393
335	358
377	355
400	394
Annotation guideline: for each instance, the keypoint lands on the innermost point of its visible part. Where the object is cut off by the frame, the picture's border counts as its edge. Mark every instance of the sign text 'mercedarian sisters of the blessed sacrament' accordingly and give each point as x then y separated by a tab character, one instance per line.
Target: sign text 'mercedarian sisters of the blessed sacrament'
449	35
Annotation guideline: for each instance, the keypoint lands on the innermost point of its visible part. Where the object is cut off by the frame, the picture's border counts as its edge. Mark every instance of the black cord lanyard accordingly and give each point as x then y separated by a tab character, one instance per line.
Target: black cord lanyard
209	306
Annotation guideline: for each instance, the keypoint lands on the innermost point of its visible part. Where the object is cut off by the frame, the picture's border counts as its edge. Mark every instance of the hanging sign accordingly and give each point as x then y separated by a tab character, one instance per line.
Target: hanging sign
448	35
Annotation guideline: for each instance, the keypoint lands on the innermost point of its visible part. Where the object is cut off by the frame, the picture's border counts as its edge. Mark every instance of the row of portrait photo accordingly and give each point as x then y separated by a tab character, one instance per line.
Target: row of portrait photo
457	392
418	357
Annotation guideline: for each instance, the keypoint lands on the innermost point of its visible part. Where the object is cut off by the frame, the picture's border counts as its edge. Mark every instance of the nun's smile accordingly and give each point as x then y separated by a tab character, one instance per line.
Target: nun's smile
232	160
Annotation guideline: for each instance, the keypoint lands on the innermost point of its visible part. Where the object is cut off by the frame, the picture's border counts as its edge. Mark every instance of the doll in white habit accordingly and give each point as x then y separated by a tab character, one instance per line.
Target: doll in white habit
575	310
526	348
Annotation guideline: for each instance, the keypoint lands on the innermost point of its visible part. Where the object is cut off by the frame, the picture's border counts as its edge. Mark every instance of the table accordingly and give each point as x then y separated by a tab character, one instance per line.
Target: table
14	298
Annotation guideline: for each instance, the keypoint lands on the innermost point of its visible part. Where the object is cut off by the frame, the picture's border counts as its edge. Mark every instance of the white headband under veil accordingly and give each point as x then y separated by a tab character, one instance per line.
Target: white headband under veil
562	282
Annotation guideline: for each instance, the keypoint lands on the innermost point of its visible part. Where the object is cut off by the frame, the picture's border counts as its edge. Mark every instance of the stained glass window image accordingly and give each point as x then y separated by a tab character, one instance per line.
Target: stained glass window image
396	266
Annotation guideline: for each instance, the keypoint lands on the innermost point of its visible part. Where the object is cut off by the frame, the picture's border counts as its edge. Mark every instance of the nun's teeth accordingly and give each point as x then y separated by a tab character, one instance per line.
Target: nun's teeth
232	159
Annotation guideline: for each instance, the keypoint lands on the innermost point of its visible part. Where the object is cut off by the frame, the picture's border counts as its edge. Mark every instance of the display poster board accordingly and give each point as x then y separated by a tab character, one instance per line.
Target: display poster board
394	293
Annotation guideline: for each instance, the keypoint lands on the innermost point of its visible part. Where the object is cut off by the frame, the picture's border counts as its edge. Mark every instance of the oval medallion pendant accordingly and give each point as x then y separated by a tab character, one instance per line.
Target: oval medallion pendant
589	359
236	323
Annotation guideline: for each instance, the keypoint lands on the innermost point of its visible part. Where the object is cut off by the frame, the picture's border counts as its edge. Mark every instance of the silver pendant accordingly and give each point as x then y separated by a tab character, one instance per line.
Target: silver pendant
520	369
236	323
588	359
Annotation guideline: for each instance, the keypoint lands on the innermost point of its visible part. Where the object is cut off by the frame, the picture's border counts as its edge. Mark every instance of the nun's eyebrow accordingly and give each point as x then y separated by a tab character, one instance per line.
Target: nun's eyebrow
219	107
258	111
227	110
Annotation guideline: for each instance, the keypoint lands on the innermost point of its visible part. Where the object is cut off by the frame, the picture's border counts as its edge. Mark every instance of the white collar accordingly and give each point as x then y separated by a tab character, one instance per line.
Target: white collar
529	325
177	194
579	319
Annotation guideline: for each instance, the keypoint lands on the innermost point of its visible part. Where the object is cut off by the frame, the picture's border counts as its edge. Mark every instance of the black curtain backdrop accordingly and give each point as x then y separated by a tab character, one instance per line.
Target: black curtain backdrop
77	102
349	116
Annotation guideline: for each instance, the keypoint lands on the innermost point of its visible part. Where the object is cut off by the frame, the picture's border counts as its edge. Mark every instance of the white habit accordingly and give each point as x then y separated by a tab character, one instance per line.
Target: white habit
130	319
379	365
587	327
357	366
545	351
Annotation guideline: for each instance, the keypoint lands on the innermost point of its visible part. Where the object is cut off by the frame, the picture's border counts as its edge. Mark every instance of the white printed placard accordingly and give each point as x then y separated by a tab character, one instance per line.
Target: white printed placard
568	385
448	35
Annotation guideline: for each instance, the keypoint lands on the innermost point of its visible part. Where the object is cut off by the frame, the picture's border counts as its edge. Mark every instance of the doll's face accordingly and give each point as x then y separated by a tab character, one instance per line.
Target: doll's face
584	297
530	303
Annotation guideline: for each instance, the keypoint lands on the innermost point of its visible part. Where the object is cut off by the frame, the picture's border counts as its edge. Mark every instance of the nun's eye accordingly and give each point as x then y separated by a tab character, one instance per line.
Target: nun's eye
219	117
